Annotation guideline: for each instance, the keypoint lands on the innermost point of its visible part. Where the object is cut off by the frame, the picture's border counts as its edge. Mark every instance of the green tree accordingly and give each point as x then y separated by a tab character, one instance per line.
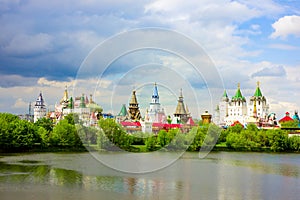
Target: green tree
22	134
294	143
163	138
115	133
5	138
290	124
46	123
151	143
178	142
139	137
197	135
44	135
278	139
65	134
72	118
102	141
236	128
8	117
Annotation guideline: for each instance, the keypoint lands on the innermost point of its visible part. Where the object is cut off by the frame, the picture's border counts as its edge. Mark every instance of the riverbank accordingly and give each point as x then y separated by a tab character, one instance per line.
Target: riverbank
138	149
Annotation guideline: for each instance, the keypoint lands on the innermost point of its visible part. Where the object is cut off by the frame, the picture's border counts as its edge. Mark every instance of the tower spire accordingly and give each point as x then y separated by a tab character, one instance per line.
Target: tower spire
155	96
134	110
258	91
180	109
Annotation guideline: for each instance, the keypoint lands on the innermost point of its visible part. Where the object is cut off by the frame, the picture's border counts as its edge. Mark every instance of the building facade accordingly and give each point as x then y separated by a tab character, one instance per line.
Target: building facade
237	109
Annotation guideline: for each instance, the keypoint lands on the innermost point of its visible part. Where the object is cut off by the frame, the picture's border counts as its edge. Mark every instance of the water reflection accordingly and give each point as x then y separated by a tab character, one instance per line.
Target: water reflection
39	173
219	176
281	164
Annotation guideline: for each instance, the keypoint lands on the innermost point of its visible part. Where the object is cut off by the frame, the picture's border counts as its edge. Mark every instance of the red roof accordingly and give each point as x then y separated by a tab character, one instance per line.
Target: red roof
159	125
190	122
130	123
237	122
172	126
166	126
286	118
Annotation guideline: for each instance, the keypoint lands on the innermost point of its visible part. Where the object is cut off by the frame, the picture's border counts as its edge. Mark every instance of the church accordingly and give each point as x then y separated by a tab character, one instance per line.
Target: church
236	109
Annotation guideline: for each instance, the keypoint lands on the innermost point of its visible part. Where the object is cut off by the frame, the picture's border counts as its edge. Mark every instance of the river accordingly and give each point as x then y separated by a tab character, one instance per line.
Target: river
220	175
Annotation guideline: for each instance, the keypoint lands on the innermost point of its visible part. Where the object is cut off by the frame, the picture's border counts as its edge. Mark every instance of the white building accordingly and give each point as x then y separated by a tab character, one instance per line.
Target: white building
237	109
155	112
146	123
258	104
39	110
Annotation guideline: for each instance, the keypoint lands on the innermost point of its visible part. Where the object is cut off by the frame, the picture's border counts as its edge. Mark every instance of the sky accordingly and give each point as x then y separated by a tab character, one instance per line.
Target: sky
110	47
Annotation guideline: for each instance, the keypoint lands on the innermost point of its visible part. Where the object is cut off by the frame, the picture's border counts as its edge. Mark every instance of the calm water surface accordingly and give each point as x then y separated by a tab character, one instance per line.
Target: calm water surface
224	175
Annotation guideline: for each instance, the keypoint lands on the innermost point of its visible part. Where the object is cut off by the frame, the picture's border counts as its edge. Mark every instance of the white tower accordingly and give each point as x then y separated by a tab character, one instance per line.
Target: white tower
237	108
39	108
155	113
262	108
146	123
223	109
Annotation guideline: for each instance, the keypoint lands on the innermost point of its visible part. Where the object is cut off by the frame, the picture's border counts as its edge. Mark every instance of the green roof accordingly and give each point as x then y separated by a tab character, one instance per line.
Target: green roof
258	92
238	94
123	111
225	94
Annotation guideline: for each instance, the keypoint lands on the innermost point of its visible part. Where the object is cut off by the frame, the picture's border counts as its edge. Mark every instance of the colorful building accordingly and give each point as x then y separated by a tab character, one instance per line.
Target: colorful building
86	109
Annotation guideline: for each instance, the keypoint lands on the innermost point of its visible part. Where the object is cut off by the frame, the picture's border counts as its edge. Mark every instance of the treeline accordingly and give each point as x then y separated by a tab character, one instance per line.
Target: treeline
70	134
21	135
254	139
234	138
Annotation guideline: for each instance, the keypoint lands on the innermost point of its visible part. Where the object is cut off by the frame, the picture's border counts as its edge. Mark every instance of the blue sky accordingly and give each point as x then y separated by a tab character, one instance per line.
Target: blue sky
44	43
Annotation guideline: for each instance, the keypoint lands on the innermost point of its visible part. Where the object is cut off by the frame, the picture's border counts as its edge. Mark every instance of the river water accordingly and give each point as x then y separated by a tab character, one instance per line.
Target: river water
220	175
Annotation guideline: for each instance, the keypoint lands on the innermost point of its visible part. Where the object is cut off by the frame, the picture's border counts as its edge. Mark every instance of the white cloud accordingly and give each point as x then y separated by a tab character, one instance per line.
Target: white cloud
19	103
58	84
287	25
270	71
284	47
73	28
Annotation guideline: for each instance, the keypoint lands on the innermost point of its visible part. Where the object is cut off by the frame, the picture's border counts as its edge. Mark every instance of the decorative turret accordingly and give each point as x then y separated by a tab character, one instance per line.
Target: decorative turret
155	96
123	112
206	117
296	116
257	91
91	99
39	108
155	112
225	97
238	95
180	109
71	103
82	102
65	99
258	104
134	112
